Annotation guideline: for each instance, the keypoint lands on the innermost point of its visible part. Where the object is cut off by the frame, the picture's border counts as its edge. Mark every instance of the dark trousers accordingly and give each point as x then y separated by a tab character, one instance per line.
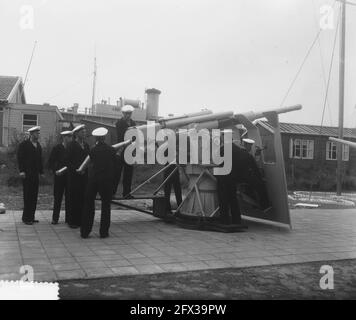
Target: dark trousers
229	206
127	171
257	186
104	188
77	185
175	182
30	194
60	188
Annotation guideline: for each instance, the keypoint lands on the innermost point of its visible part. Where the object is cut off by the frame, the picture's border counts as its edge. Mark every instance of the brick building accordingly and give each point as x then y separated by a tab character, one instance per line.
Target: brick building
310	158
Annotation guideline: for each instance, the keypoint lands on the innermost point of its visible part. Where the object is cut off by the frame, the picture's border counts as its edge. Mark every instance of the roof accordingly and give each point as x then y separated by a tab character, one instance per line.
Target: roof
308	129
8	85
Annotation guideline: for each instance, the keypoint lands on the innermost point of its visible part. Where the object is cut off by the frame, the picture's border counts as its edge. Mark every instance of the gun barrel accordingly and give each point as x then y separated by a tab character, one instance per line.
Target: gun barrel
173	124
252	116
349	143
187	115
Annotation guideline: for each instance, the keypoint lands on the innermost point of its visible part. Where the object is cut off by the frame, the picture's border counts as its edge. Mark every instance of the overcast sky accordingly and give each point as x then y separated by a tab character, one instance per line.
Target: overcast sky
224	55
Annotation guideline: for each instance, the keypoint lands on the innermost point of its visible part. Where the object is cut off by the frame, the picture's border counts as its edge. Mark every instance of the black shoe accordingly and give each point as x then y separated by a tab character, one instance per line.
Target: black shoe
29	223
54	222
74	226
103	236
84	236
35	221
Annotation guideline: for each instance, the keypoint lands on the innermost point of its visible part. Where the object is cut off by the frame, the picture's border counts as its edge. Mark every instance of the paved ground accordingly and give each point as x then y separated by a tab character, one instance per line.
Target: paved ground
141	244
292	281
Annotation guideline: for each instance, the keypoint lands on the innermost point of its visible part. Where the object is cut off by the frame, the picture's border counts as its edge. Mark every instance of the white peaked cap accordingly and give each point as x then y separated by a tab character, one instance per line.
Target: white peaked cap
66	133
78	128
127	108
33	129
100	132
250	141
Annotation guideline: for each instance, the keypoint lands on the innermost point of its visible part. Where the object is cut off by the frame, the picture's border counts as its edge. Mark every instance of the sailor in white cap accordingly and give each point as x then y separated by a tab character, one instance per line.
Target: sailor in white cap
78	150
244	171
101	178
121	127
58	164
29	157
247	144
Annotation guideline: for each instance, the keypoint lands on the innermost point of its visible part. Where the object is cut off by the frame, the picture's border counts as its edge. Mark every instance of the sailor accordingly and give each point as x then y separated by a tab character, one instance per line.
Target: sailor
244	170
248	144
121	127
78	150
100	181
58	164
29	157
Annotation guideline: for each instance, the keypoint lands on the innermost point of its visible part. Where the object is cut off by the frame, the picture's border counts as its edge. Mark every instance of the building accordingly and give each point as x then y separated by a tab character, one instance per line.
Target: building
310	158
106	114
17	116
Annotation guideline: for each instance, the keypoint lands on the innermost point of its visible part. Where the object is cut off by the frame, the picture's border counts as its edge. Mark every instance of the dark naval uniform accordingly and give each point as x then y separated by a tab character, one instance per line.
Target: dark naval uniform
29	160
101	178
77	182
58	160
244	170
173	181
121	127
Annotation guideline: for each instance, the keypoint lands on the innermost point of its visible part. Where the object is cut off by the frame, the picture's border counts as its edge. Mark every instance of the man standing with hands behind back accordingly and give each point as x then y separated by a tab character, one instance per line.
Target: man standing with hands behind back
57	161
29	157
77	150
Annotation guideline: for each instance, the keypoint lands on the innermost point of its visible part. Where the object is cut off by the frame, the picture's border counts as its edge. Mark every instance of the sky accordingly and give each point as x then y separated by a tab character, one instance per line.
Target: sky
224	55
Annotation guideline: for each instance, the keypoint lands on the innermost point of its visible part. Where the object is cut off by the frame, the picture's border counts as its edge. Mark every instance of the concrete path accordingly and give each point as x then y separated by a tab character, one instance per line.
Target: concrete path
141	244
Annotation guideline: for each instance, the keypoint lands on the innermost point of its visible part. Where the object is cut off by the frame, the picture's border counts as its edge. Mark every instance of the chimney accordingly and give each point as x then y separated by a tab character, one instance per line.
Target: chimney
152	103
75	107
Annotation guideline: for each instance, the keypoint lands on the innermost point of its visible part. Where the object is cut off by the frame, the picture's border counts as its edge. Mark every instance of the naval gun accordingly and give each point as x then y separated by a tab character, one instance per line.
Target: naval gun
200	202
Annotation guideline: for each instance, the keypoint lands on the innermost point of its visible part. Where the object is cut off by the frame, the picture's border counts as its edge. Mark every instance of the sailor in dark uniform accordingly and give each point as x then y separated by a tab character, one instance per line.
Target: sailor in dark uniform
29	157
243	170
121	127
58	164
78	150
101	178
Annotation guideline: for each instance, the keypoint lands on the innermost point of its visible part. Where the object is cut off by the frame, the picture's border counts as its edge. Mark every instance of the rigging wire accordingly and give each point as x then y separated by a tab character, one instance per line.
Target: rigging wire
322	63
302	64
329	76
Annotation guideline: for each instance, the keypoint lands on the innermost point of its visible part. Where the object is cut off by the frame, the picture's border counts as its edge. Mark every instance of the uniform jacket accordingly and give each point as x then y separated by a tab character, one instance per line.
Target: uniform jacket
102	158
58	157
243	163
121	127
29	158
76	155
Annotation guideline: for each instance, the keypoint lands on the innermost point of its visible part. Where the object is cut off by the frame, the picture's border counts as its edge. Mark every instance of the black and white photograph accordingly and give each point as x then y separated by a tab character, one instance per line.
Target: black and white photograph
178	155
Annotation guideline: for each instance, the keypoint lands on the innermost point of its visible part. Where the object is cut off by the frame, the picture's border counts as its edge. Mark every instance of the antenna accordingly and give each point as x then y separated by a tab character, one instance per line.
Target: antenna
94	84
28	69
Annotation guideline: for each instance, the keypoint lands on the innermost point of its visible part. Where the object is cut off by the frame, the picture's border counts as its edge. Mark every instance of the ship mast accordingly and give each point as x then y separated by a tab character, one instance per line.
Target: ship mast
94	86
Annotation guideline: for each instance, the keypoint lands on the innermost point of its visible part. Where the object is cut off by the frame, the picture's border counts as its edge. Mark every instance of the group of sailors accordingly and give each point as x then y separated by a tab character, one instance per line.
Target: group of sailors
80	186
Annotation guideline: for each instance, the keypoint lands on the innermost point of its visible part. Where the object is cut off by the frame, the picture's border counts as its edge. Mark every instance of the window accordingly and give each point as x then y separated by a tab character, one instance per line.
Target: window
29	121
301	149
331	151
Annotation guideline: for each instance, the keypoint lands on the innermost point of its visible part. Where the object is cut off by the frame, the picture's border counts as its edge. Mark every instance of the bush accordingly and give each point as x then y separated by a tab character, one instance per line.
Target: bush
9	173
